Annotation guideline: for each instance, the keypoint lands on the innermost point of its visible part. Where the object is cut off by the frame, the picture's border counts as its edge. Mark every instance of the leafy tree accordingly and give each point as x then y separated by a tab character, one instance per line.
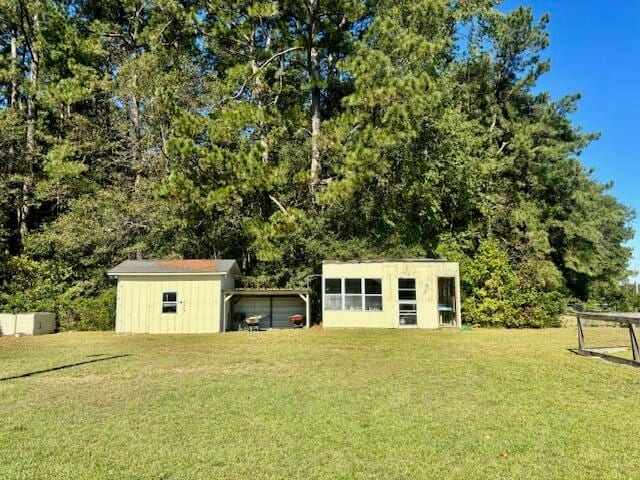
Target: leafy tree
284	132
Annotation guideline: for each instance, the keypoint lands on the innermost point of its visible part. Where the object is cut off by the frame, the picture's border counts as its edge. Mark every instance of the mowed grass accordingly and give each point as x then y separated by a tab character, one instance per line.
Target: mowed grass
318	404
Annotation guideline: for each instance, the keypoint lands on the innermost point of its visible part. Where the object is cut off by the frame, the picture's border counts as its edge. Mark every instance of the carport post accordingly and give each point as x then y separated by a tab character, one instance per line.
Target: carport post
305	297
224	311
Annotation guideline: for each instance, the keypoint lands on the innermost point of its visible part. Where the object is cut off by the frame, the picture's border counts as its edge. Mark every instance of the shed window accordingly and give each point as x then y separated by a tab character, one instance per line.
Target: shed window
353	294
169	302
373	294
333	294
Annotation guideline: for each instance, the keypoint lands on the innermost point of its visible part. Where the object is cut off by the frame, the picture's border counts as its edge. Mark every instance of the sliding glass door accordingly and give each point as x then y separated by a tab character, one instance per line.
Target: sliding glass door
408	314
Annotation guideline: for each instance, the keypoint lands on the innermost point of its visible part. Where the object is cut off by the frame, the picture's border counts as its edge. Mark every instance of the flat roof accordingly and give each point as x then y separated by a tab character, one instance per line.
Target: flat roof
189	266
393	260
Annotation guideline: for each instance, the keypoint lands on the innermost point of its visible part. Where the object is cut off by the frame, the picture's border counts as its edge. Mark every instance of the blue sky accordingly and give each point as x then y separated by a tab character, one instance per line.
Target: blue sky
595	51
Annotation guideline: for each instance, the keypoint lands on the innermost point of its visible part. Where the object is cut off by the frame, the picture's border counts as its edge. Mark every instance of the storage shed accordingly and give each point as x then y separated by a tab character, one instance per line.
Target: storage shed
34	323
172	296
414	293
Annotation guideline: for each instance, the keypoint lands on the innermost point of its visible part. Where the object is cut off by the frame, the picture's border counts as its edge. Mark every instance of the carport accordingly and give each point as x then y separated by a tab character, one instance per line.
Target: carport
278	303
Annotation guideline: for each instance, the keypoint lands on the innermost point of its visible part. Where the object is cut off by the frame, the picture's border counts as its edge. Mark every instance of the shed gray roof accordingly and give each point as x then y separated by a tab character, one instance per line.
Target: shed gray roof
174	266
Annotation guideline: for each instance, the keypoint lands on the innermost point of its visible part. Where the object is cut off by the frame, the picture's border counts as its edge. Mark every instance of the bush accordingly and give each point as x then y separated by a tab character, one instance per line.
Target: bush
496	295
89	313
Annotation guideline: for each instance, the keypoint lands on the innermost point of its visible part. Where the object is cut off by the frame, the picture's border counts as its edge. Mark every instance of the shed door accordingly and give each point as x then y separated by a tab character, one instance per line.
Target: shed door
284	307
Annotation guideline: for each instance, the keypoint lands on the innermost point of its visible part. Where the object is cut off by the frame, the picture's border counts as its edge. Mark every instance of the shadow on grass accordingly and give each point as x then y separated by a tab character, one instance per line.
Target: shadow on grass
590	352
62	367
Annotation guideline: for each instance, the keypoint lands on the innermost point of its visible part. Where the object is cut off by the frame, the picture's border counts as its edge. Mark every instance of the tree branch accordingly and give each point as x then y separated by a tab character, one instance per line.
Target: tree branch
280	206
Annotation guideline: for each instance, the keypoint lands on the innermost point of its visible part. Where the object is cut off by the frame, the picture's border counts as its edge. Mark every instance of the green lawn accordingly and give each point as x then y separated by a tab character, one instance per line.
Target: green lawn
318	404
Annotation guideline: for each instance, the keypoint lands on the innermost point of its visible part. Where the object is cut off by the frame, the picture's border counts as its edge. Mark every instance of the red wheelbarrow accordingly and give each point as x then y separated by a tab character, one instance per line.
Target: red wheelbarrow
297	320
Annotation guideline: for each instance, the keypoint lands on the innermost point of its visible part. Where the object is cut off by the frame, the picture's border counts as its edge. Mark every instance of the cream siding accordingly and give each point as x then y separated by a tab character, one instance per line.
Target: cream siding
426	275
199	303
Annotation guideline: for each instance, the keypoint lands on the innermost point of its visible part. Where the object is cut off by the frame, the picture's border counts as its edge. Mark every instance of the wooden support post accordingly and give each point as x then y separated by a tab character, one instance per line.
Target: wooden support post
270	312
307	300
225	311
580	334
224	315
634	343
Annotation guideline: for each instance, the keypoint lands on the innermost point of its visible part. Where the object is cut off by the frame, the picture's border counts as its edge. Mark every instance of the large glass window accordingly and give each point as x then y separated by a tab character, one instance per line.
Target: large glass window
408	312
447	301
169	302
353	294
333	294
373	294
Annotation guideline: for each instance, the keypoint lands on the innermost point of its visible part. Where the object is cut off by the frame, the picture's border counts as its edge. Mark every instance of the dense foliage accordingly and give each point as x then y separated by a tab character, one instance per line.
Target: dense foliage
282	132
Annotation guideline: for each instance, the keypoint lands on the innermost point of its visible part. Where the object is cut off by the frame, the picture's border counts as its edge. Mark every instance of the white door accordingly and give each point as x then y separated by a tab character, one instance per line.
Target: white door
408	307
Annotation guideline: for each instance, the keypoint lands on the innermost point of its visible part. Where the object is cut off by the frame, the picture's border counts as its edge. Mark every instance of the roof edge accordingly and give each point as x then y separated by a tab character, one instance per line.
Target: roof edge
391	260
164	274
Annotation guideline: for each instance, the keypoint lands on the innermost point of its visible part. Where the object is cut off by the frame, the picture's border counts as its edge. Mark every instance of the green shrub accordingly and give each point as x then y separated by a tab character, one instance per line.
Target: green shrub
497	296
89	313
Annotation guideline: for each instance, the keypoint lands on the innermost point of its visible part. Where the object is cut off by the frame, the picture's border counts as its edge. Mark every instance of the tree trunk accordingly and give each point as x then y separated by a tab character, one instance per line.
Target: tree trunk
312	59
24	210
134	107
257	98
13	99
314	78
136	153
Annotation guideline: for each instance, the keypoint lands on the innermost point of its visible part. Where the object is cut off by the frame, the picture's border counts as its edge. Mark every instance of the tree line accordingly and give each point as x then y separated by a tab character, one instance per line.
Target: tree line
284	132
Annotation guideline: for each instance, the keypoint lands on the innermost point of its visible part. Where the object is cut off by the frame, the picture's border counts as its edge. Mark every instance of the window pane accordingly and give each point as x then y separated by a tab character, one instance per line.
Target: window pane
372	285
407	283
169	296
404	307
353	302
373	303
408	319
169	308
353	285
333	285
333	302
407	294
447	318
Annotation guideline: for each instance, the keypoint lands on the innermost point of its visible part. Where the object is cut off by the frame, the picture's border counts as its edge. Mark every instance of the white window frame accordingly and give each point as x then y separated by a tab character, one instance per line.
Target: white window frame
365	295
324	294
343	294
174	303
413	302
